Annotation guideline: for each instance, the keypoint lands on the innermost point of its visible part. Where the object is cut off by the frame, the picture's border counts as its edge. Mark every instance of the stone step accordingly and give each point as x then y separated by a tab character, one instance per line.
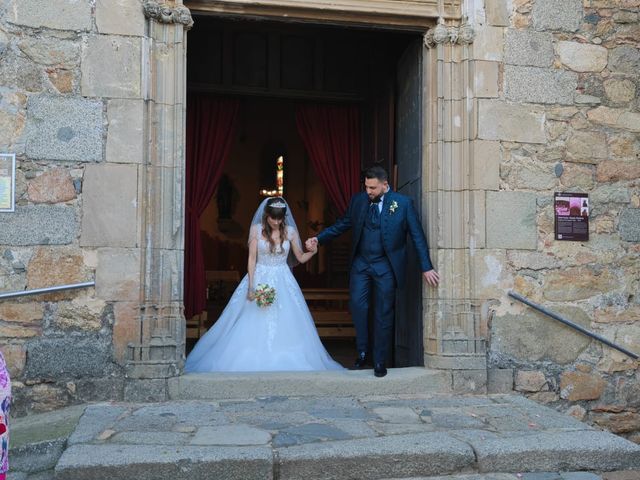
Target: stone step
37	441
397	456
219	386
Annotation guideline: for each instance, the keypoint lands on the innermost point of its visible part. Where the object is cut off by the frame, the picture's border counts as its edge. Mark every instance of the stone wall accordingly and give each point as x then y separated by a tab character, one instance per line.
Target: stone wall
71	109
561	112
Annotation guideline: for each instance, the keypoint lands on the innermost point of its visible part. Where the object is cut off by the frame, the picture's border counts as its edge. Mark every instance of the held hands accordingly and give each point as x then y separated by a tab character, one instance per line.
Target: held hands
312	245
431	277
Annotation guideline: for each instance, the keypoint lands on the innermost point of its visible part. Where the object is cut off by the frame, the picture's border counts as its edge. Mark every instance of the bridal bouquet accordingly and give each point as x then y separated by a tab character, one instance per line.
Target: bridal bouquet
265	295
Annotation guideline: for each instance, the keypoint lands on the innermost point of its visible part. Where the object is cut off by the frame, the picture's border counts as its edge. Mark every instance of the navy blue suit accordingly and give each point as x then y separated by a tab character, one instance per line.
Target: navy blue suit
378	260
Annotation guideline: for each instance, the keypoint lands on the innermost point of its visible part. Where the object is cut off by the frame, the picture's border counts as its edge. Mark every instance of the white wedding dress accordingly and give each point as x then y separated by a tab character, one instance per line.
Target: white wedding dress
248	338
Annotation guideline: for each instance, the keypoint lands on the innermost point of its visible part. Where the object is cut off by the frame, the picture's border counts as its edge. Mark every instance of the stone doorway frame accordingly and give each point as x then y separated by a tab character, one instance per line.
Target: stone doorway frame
453	332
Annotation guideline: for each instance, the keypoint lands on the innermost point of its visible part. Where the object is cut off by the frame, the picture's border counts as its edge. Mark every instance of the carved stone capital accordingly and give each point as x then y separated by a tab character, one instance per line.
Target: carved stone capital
164	14
453	34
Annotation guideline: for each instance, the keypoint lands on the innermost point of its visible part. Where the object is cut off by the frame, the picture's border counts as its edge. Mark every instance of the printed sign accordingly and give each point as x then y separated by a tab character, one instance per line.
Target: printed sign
7	182
571	216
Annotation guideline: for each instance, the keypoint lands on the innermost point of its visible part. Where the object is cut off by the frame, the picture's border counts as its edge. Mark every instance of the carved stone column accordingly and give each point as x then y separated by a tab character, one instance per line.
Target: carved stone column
159	353
454	333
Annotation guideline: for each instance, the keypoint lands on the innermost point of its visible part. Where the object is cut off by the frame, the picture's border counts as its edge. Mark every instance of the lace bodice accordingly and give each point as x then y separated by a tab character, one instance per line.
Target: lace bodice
265	257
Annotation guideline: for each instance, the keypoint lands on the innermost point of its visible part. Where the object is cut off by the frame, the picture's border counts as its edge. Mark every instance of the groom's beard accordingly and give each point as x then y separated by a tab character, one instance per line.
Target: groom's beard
377	198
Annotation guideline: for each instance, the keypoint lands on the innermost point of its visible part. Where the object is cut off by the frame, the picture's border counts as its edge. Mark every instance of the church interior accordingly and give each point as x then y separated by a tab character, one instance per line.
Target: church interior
280	78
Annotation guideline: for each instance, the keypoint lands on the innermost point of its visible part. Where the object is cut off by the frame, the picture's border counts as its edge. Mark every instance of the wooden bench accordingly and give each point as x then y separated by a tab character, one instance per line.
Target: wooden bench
330	310
216	280
196	325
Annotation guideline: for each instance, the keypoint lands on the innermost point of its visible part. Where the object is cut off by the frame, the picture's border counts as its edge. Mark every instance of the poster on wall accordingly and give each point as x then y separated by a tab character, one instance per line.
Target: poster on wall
571	216
7	182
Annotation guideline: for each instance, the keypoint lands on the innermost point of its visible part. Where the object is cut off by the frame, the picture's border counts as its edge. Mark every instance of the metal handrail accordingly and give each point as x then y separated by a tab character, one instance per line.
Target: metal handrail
36	291
575	326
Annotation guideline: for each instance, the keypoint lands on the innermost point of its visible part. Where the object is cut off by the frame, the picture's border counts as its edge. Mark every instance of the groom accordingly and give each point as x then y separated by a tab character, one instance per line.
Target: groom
381	220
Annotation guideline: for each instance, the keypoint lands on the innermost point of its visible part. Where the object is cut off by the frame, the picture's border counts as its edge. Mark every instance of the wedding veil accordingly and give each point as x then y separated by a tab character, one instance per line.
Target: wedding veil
255	231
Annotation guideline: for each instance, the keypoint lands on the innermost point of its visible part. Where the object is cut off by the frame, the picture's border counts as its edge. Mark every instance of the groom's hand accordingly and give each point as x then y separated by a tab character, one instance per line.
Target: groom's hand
431	277
311	244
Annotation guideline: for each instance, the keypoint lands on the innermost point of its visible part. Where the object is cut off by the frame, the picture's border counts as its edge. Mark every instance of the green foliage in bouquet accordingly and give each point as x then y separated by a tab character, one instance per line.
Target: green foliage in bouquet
265	295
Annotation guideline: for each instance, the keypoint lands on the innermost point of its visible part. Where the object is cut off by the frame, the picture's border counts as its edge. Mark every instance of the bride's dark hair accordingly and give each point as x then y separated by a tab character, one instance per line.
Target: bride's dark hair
275	208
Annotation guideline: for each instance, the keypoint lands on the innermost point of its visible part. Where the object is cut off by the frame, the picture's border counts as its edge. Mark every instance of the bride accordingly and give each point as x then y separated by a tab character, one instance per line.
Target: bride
278	337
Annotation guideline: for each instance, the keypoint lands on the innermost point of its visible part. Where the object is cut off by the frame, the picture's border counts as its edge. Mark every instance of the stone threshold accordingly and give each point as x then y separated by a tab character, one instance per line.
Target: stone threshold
219	386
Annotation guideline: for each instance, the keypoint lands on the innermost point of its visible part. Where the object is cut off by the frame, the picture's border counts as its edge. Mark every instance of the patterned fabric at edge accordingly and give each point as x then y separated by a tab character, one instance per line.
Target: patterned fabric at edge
5	402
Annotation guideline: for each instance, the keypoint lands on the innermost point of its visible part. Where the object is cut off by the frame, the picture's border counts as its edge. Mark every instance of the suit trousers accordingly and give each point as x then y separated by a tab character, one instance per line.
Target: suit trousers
365	284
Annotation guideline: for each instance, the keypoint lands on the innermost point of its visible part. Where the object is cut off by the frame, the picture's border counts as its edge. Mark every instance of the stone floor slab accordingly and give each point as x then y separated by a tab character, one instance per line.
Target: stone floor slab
557	451
146	462
376	458
204	386
231	435
323	437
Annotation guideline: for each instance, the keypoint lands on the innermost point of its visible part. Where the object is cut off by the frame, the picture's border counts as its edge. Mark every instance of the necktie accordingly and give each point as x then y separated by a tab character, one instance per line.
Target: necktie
374	213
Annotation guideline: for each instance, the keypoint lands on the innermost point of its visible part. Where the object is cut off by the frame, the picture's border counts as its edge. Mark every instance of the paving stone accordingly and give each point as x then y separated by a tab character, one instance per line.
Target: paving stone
15	475
507	432
46	475
189	413
397	414
151	438
146	423
94	421
310	433
395	456
360	429
143	462
35	457
624	475
579	476
456	422
582	450
402	428
272	420
45	426
317	431
471	435
541	476
64	128
231	435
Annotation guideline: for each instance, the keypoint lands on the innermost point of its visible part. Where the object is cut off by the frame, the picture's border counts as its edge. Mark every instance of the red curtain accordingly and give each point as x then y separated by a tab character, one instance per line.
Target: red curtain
210	126
331	135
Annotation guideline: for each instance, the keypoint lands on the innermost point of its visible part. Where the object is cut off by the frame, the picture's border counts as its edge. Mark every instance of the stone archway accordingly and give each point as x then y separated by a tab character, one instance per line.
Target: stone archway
454	203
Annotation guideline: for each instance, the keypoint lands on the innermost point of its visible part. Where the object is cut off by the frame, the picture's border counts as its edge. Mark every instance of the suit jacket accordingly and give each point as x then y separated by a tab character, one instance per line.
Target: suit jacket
397	219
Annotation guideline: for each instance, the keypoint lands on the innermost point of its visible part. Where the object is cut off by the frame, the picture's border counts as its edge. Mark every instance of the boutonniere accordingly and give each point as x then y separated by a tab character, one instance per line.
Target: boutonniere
393	206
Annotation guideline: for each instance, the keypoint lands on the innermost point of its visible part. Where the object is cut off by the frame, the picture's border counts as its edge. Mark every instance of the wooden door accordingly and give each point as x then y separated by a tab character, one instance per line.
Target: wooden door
408	345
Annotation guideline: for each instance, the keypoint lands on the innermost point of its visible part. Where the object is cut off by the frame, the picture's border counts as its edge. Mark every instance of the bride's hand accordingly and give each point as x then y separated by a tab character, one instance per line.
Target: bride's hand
251	295
312	247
